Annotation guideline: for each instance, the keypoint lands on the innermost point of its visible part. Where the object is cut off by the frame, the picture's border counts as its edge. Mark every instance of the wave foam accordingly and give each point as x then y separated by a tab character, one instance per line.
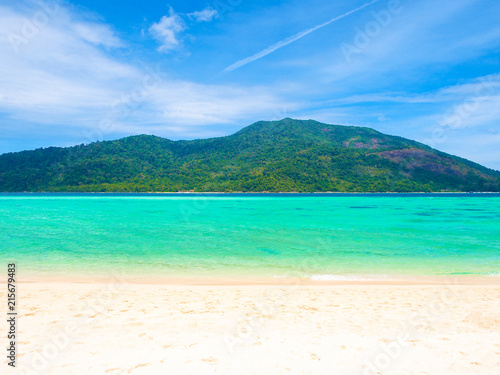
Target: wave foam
346	277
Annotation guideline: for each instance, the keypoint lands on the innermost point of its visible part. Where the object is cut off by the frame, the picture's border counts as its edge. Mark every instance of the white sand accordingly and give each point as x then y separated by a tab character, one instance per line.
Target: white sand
118	328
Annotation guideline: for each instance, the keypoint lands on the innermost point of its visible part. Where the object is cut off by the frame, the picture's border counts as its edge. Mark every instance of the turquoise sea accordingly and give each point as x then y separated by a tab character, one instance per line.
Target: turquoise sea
320	236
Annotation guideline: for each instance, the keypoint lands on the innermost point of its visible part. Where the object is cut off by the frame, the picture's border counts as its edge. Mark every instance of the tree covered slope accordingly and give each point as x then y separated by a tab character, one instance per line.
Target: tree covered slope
286	155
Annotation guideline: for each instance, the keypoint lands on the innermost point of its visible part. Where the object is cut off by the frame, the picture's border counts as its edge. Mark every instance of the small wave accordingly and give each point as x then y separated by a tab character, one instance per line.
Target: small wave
329	277
347	277
493	274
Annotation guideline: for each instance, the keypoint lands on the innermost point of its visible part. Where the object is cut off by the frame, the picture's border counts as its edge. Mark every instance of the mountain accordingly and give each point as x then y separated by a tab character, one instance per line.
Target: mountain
286	155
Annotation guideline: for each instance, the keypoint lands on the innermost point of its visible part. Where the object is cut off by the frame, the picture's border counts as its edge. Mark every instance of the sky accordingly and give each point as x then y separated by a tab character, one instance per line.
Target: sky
74	72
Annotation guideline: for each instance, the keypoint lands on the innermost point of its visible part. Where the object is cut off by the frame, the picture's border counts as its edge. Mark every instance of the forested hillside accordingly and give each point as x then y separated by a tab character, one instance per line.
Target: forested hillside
286	155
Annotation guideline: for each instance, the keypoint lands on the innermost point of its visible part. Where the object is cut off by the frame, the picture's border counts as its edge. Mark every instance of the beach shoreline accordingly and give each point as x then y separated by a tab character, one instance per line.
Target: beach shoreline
331	280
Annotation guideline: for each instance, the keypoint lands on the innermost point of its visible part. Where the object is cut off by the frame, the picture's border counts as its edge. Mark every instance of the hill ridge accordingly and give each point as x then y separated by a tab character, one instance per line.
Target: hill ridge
284	155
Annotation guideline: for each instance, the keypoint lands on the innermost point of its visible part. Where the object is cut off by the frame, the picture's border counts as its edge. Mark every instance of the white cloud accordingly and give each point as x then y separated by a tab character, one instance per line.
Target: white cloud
479	89
189	103
97	34
65	80
205	15
59	68
167	31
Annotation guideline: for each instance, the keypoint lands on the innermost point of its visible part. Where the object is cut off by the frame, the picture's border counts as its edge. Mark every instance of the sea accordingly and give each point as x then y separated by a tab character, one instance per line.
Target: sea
315	236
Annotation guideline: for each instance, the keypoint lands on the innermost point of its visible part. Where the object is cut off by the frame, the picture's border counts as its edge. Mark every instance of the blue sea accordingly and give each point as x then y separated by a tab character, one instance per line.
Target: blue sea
317	236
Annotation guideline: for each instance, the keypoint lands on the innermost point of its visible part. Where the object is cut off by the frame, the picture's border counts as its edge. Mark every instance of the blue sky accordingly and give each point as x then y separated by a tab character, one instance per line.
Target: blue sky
80	71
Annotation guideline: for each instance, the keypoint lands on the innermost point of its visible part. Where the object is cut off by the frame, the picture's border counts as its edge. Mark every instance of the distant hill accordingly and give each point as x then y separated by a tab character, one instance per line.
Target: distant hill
287	155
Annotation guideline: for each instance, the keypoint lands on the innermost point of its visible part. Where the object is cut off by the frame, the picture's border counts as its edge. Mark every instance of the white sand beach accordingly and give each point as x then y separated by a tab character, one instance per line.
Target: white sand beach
122	328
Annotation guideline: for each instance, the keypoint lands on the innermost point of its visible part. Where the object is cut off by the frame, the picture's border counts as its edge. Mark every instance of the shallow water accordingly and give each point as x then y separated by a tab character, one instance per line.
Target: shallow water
317	235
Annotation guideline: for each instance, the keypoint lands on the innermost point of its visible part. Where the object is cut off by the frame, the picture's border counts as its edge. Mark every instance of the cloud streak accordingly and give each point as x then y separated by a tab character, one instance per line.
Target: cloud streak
292	39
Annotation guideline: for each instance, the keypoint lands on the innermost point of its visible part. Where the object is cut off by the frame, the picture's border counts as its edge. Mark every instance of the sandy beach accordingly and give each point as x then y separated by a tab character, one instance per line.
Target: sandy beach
122	327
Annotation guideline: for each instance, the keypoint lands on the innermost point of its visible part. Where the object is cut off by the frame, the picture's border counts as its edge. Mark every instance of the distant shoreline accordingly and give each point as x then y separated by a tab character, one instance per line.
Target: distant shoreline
253	193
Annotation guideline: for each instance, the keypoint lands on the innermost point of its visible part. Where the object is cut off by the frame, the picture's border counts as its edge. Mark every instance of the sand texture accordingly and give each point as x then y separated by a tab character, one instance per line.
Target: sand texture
122	328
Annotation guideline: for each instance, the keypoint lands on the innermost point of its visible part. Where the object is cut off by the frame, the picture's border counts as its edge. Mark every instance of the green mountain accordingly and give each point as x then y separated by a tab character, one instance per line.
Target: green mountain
286	155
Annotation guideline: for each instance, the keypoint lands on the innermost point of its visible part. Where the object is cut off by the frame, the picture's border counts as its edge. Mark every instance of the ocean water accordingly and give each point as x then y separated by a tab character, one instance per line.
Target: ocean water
319	236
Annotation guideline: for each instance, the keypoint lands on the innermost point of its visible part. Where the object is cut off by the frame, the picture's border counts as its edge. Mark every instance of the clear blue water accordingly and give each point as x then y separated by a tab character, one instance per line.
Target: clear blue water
264	235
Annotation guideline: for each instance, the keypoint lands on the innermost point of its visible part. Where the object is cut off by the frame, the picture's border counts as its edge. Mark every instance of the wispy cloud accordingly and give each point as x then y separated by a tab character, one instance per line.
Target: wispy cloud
422	37
98	34
61	69
205	15
292	39
191	104
479	88
67	79
167	31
